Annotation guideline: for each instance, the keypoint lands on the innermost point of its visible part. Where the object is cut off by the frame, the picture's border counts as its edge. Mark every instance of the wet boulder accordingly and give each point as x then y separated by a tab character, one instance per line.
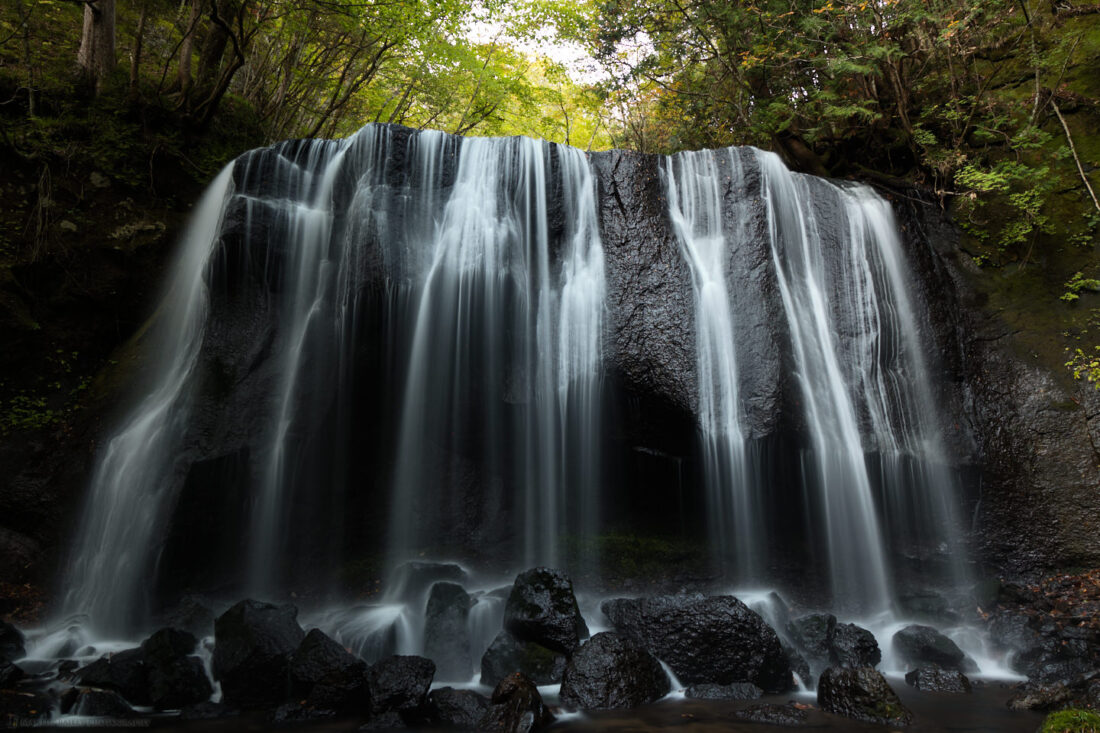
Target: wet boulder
1056	658
610	671
327	676
1011	630
542	608
400	684
861	693
412	579
736	691
714	639
1038	696
12	643
799	666
508	655
95	703
515	707
122	672
176	678
446	632
922	645
192	614
461	709
934	679
785	715
813	636
253	643
854	646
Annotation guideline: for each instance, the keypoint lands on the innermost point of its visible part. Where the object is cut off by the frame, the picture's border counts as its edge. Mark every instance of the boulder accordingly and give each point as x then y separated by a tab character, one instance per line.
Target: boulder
736	691
1056	658
934	679
11	643
854	646
461	709
861	693
542	608
1080	692
95	703
705	639
609	672
1038	696
813	636
786	715
327	676
123	672
1011	630
176	678
446	632
253	642
799	666
192	614
507	655
410	580
927	605
515	707
400	684
922	645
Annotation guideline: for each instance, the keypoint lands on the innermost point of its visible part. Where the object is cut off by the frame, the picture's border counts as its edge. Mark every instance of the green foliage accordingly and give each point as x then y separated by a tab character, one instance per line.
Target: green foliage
1086	365
1077	283
1071	721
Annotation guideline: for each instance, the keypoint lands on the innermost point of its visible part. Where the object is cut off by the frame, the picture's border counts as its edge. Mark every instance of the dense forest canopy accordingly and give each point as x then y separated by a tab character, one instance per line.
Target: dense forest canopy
988	106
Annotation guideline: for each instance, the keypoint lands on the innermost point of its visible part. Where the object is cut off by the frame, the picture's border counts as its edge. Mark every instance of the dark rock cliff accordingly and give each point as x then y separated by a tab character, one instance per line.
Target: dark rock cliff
1027	431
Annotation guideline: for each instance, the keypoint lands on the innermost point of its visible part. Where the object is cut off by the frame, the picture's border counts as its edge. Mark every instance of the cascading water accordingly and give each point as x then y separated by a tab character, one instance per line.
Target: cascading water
856	354
697	205
402	337
479	261
129	491
498	323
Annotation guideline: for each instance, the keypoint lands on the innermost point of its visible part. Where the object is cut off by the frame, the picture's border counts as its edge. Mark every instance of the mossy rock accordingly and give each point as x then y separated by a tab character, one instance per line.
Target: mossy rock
1071	721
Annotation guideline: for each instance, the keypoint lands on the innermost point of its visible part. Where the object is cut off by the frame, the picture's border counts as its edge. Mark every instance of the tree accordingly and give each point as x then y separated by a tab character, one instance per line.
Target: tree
96	56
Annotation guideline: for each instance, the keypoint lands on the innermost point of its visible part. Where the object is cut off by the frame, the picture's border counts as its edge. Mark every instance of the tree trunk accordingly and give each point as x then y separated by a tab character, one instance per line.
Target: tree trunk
187	48
97	43
135	59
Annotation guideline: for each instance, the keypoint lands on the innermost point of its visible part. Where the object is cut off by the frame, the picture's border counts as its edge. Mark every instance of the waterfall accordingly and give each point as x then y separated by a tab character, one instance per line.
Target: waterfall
482	261
128	498
498	323
873	465
397	346
697	184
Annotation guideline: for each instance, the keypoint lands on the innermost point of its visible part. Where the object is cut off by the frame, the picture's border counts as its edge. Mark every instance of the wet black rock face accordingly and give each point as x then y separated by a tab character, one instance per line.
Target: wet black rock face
934	679
543	609
253	643
507	655
714	639
515	707
923	645
610	671
861	693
